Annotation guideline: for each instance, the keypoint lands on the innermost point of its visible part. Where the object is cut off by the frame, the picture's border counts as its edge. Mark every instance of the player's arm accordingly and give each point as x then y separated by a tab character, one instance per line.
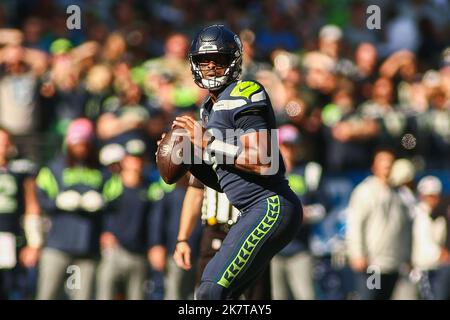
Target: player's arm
37	60
189	216
255	156
205	174
32	214
32	225
202	171
253	152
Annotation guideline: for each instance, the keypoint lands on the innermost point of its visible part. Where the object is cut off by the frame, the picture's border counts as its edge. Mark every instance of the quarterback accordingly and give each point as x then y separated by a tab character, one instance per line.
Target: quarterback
270	213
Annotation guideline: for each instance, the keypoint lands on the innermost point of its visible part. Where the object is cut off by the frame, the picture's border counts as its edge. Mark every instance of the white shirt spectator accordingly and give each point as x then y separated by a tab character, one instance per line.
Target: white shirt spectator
428	238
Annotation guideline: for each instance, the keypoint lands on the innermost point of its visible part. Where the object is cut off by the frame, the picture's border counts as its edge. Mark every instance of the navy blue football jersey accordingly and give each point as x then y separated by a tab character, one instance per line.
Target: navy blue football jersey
126	215
12	203
243	106
74	232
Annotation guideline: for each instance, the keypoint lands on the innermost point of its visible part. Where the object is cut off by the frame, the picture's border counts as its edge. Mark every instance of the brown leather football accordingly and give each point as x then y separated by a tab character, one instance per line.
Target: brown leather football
169	155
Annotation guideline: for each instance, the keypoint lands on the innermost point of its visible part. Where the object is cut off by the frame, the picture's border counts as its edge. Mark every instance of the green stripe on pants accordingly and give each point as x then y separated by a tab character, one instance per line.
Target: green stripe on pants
254	238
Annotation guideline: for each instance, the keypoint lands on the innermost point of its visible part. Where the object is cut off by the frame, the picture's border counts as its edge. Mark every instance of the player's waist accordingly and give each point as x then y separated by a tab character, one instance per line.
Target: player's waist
214	223
243	193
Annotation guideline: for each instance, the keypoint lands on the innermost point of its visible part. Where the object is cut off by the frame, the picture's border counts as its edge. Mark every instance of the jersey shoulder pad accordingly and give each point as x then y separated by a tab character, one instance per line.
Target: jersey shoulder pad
249	90
241	96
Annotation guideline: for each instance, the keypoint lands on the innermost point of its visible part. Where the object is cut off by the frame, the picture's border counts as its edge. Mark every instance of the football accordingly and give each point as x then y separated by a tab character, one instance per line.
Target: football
169	155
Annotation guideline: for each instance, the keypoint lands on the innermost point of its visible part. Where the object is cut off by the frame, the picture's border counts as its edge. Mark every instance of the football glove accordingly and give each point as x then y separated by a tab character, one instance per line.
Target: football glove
68	200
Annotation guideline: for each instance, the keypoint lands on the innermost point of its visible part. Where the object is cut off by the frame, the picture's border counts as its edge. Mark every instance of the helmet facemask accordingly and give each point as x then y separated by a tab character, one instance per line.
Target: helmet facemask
232	71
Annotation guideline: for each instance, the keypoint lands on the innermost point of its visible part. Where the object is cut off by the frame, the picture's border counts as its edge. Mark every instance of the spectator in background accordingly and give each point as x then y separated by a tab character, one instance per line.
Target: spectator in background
347	136
124	118
129	21
437	129
110	157
33	37
63	92
442	211
401	68
330	37
178	283
70	193
429	255
20	72
377	230
18	203
99	81
294	101
125	235
366	69
172	67
292	268
320	77
275	89
114	50
249	65
381	108
402	178
416	95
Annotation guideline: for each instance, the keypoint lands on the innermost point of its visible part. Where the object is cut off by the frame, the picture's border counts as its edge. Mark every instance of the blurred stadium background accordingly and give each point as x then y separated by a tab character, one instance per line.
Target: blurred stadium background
346	89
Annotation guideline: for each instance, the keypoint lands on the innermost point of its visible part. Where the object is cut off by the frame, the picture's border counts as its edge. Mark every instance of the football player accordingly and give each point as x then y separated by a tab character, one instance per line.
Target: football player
270	212
21	235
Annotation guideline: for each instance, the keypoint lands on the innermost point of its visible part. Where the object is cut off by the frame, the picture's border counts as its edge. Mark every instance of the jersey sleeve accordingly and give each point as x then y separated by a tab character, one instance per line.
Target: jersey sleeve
206	175
47	189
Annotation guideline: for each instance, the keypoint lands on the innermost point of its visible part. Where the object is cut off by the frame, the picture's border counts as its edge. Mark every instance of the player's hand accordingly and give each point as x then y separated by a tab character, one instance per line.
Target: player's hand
158	142
108	240
160	139
29	256
444	257
194	128
157	257
359	264
182	255
342	132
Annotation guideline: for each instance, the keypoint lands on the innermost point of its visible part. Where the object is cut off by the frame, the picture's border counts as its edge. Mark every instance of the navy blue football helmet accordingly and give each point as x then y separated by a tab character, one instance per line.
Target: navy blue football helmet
216	39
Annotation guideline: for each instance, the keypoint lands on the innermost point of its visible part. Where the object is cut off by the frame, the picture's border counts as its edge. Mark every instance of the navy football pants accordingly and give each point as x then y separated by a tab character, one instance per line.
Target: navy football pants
261	232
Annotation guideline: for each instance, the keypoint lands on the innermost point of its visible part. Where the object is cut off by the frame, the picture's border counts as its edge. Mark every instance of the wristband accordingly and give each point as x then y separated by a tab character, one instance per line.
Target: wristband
217	147
179	241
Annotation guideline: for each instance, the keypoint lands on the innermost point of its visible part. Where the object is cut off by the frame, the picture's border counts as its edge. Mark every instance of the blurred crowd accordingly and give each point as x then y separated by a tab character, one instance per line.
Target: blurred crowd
365	113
